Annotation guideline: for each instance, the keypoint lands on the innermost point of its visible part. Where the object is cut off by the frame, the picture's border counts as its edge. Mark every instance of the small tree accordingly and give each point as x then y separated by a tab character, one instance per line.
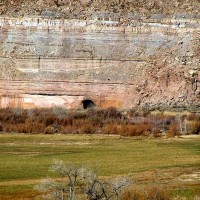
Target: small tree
82	179
96	189
65	187
117	186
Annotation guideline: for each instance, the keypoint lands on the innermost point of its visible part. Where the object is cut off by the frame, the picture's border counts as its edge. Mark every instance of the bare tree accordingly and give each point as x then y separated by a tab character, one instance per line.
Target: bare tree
93	188
97	189
71	173
65	187
117	186
52	189
90	186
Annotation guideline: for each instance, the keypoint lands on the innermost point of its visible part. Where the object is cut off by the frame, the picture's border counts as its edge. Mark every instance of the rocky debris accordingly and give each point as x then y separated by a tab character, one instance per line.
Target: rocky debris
80	9
50	14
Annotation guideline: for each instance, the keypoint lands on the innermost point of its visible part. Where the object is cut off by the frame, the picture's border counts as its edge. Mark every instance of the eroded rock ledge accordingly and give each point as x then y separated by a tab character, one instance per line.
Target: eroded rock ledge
55	62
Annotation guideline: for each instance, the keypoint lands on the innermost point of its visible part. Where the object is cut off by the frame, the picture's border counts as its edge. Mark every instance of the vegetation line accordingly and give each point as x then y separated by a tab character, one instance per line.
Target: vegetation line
97	121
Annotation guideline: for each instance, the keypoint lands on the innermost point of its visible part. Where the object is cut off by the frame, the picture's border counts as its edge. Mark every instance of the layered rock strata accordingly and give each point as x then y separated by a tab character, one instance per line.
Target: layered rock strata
48	62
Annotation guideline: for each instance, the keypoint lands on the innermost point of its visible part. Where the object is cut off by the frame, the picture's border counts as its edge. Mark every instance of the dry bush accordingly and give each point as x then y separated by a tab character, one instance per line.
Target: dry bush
108	121
151	193
193	124
174	130
97	122
60	112
193	127
134	130
160	121
77	115
13	116
126	129
78	122
158	194
155	123
69	130
133	194
140	130
68	121
87	128
155	132
193	117
104	114
52	129
1	127
110	129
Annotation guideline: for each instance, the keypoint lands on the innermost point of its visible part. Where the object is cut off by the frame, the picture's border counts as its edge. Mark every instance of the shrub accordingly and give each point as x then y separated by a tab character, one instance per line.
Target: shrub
110	129
60	112
160	121
127	130
136	130
50	130
108	121
157	193
152	193
193	117
193	127
87	128
1	127
174	130
78	115
69	130
104	114
155	132
35	127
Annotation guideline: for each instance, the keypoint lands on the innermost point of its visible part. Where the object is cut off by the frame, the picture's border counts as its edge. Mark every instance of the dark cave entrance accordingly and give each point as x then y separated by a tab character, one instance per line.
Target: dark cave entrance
88	104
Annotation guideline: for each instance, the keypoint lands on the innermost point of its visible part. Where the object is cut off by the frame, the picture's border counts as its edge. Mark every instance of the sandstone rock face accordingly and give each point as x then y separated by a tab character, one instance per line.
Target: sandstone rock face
56	62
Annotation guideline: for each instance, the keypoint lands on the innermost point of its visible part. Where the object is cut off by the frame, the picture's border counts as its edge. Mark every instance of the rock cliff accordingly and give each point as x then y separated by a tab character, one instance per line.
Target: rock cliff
137	61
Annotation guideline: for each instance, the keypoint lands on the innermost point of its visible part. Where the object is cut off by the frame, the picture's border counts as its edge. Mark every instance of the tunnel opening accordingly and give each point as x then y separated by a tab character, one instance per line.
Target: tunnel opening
88	104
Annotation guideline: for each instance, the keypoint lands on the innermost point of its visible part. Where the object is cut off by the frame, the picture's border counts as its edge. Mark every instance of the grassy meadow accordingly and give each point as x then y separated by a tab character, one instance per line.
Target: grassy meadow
25	160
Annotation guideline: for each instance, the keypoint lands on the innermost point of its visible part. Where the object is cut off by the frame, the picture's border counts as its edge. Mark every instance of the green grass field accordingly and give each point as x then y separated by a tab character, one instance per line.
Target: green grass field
25	160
